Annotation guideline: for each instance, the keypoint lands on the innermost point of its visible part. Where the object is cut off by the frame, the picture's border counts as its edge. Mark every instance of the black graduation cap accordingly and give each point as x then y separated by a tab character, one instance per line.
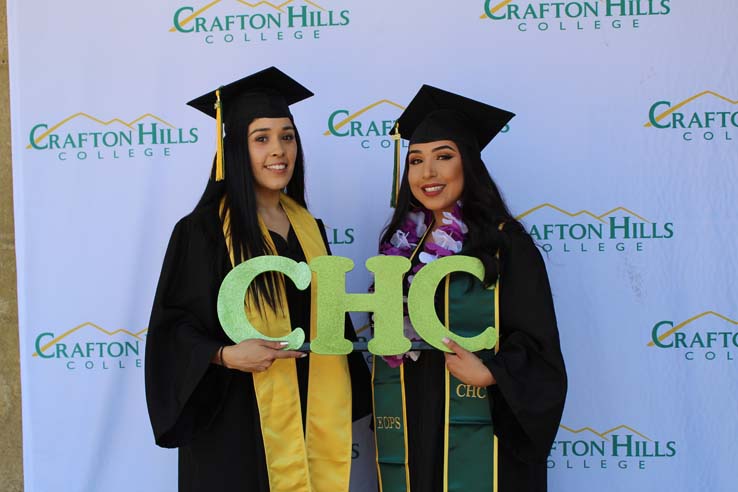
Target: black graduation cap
435	114
264	94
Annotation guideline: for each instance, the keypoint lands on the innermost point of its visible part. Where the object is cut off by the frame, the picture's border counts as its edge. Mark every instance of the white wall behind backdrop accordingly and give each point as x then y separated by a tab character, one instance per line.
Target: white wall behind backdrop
621	162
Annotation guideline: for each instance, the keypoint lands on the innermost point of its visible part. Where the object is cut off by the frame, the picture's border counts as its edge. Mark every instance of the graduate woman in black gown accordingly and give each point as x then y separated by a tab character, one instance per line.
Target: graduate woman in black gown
249	416
446	408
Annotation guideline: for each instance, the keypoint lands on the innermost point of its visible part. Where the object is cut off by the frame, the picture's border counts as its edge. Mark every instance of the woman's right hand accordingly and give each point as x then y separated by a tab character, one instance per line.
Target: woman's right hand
256	355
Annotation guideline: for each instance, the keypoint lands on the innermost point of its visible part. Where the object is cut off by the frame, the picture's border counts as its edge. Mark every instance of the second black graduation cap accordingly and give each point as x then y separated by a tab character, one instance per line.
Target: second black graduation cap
435	114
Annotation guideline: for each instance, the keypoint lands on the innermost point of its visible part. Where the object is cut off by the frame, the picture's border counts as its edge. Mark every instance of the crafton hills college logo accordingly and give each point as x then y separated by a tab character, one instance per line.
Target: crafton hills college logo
708	336
620	448
91	347
618	229
243	22
706	116
82	136
370	125
574	16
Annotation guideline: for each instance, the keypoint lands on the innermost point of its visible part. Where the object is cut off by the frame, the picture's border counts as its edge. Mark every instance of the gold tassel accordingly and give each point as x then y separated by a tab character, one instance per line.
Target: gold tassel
219	165
396	171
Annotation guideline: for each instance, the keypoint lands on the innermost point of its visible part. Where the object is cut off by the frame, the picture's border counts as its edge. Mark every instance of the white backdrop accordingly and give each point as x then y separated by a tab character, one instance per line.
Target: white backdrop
621	162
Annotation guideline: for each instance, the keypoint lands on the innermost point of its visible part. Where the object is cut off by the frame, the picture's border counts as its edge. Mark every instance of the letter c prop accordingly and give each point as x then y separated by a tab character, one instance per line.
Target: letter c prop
233	290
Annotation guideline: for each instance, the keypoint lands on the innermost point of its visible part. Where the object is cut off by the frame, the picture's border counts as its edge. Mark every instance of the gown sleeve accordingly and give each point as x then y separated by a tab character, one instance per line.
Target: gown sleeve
528	399
183	389
361	385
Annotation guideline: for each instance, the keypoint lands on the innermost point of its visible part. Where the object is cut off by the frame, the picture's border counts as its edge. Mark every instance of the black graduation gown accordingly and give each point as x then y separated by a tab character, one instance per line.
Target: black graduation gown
528	399
209	412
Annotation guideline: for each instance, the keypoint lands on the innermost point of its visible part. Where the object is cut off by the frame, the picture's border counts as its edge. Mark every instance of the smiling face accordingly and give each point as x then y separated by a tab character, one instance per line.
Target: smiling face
272	150
436	175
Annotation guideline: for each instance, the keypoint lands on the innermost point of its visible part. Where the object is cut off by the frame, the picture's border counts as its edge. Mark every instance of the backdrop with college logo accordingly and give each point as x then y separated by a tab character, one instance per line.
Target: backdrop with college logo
620	163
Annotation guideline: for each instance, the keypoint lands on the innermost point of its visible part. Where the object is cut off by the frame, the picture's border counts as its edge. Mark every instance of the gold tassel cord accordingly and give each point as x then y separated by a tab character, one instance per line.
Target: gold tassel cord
219	165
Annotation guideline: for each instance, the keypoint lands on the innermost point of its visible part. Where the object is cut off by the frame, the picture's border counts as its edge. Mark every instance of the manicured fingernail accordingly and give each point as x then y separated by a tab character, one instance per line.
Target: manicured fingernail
446	340
304	355
284	343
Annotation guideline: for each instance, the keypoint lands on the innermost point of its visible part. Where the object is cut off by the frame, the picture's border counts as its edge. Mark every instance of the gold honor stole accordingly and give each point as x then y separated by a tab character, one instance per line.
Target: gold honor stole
318	459
470	447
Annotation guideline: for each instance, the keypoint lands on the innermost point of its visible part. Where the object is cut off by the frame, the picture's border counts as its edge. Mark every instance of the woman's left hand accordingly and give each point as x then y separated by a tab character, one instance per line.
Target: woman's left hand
467	367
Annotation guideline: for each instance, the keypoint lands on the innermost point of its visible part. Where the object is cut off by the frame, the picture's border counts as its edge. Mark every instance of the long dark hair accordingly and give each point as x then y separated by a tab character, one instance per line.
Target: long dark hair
240	200
483	210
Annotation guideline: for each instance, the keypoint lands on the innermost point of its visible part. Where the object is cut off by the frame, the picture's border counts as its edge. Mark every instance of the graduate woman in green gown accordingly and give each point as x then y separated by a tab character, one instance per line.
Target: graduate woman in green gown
249	416
463	421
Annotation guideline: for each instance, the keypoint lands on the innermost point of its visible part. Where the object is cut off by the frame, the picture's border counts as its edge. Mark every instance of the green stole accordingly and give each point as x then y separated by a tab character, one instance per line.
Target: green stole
470	456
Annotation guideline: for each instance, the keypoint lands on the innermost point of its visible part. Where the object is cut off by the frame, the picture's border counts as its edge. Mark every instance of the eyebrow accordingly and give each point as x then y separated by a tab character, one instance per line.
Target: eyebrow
256	130
441	147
